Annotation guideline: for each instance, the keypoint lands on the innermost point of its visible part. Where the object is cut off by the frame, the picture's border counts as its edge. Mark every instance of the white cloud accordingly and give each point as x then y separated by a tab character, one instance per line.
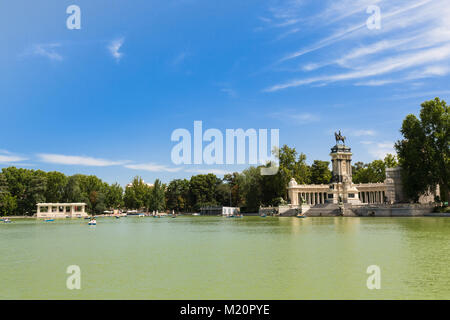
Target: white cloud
47	50
376	83
152	167
296	117
428	95
359	133
8	157
415	43
114	48
77	160
388	65
379	150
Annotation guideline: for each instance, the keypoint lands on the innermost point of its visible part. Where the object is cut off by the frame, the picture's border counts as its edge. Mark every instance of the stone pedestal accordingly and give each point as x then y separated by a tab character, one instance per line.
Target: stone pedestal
342	187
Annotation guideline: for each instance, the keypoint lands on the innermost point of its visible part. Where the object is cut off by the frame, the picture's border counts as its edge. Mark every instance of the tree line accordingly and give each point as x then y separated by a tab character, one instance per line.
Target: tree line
21	189
423	154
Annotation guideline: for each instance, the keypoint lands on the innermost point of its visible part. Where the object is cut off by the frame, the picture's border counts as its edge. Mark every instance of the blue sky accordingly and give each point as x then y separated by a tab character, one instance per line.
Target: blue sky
105	99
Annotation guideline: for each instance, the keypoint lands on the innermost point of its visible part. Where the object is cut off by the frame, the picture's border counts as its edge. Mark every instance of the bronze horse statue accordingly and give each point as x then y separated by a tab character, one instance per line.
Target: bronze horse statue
339	137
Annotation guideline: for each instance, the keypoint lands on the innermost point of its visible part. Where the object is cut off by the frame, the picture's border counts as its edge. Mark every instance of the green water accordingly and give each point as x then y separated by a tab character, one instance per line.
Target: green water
226	258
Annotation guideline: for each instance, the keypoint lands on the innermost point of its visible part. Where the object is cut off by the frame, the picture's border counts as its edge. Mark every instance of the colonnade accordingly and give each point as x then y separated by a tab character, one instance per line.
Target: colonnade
312	197
371	196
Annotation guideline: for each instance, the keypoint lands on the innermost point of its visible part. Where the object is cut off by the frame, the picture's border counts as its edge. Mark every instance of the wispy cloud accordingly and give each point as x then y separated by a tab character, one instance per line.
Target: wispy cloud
114	47
230	92
152	167
180	58
415	43
360	133
379	150
47	50
77	160
8	157
293	116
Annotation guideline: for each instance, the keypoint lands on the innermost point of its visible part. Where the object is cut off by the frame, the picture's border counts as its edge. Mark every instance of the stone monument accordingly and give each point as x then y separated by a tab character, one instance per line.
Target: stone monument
342	189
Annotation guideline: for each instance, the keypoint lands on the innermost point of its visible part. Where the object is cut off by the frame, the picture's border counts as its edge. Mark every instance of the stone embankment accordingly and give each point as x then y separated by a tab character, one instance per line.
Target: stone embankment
349	210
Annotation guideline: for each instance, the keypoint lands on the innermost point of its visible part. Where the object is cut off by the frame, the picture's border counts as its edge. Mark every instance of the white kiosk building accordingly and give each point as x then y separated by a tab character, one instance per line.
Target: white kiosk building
61	210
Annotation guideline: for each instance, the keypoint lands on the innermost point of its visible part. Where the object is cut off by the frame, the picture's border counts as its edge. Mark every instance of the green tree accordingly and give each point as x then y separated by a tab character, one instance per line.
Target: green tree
27	186
114	196
137	194
8	204
235	181
202	190
72	189
424	151
369	173
320	172
251	186
55	186
390	161
177	195
157	197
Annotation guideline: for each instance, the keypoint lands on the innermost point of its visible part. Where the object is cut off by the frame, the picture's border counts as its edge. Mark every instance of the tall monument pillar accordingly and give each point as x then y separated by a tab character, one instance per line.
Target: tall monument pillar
342	187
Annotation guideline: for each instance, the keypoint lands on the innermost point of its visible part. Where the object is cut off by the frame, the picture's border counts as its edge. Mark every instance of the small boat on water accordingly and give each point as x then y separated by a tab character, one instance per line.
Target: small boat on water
93	222
263	215
49	220
117	217
301	216
141	215
87	218
196	214
6	220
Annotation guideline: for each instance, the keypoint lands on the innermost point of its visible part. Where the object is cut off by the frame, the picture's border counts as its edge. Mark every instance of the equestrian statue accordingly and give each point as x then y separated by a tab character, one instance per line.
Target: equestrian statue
339	137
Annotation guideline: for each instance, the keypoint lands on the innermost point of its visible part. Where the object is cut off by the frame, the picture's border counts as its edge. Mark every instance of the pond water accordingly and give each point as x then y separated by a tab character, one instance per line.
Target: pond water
226	258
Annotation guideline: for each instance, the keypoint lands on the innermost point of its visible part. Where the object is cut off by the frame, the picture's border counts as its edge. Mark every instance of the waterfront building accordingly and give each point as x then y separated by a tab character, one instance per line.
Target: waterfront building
342	190
61	210
219	210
